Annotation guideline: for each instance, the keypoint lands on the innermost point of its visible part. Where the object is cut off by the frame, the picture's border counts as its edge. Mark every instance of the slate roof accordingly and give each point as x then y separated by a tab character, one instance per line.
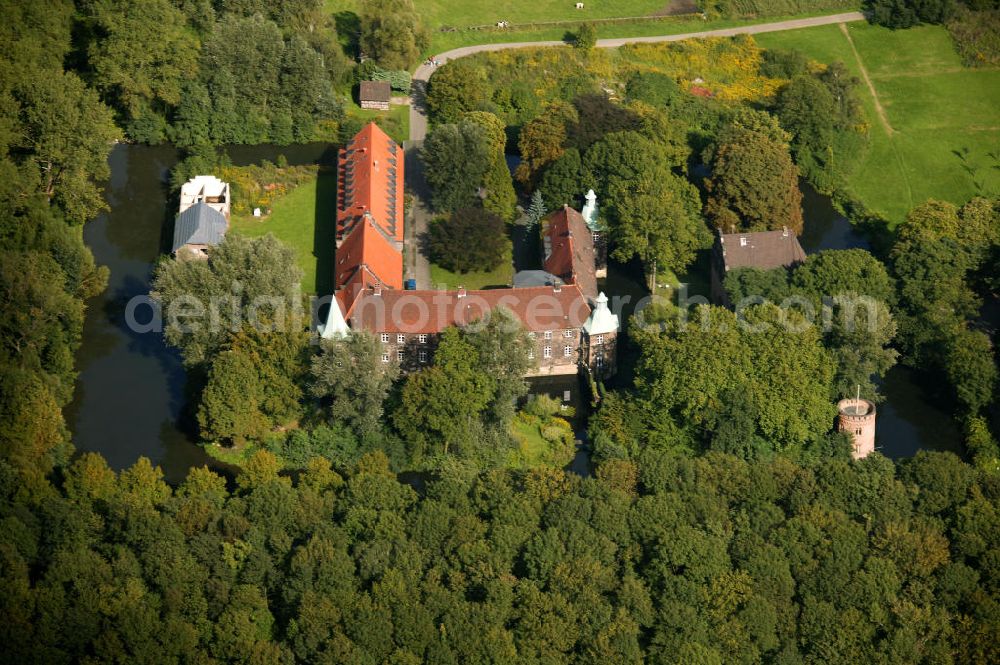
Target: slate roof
375	91
199	225
526	278
760	249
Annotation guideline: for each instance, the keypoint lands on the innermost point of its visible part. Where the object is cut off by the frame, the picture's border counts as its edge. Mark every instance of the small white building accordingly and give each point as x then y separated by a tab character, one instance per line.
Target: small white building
203	217
206	189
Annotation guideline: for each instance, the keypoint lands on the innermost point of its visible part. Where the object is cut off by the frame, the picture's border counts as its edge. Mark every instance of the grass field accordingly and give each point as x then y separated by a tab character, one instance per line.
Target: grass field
304	219
501	276
465	13
944	140
395	121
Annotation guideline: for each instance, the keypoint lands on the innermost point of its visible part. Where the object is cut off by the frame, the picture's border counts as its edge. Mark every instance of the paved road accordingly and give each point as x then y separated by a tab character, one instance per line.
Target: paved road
416	263
418	113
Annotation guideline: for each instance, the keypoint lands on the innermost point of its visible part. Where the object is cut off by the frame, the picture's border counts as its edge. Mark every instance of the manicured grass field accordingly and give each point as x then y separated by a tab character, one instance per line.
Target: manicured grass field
304	219
500	276
945	138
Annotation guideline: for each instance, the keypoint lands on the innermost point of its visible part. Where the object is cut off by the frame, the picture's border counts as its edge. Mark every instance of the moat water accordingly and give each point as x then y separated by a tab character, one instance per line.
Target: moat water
130	394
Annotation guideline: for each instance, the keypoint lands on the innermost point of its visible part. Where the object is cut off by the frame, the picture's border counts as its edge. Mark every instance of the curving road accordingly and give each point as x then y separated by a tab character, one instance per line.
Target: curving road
418	113
416	263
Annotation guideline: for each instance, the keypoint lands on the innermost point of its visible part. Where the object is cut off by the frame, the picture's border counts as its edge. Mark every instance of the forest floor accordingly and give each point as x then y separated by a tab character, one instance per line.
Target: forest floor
941	136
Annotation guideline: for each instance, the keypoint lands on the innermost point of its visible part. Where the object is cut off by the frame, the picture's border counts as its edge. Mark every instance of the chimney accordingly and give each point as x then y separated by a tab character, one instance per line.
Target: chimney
461	292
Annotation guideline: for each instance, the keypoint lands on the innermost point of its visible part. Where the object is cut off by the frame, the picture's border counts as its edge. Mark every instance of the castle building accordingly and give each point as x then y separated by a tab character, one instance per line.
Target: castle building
568	320
856	416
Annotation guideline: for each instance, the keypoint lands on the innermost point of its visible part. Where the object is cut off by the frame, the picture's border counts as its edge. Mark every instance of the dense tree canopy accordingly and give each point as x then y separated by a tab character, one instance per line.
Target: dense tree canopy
351	379
469	239
765	356
754	184
245	280
392	32
710	558
456	159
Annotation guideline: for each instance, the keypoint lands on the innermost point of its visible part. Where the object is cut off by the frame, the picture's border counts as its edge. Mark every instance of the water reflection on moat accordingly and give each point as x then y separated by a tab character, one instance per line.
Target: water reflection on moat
130	395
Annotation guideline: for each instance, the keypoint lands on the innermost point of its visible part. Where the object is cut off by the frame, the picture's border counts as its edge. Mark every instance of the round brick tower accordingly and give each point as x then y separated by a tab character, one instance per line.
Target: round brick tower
856	416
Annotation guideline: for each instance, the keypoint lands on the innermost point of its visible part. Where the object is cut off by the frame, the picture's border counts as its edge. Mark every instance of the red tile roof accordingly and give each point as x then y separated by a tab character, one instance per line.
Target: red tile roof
366	247
538	308
370	180
569	248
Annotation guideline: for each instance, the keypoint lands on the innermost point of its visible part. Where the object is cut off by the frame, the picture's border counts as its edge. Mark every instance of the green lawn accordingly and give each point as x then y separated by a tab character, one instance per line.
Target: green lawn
395	121
945	142
304	219
501	276
465	13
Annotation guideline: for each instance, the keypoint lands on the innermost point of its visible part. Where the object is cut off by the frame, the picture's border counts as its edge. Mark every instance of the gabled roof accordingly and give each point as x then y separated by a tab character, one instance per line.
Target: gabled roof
375	91
368	249
538	308
760	249
199	225
569	249
370	181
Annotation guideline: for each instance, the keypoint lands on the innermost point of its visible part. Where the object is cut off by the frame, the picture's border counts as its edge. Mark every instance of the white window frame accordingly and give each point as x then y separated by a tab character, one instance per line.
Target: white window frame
385	338
548	334
422	338
400	339
422	356
567	351
547	352
399	355
385	357
568	333
598	340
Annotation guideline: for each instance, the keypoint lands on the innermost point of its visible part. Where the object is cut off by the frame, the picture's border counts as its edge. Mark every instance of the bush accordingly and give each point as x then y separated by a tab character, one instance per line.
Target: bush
542	406
336	444
977	37
586	36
